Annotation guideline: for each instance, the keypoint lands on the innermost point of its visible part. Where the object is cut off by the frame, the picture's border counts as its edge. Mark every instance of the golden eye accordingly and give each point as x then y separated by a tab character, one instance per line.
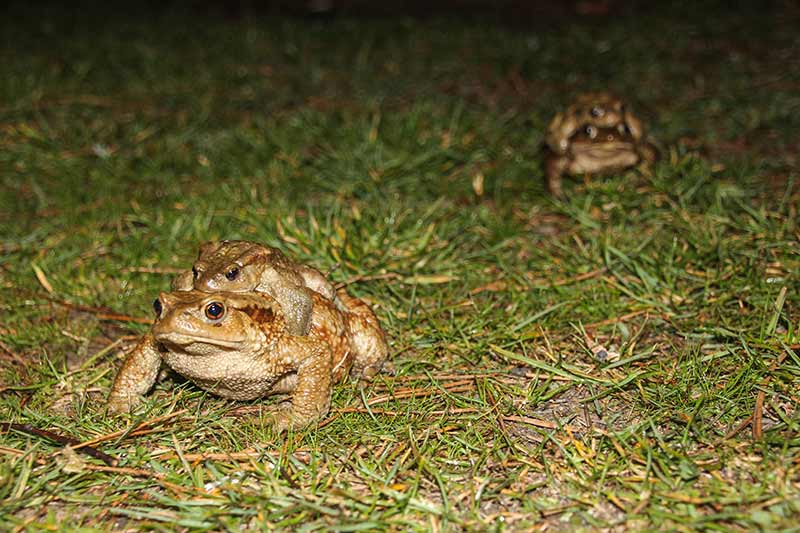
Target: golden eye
232	274
215	310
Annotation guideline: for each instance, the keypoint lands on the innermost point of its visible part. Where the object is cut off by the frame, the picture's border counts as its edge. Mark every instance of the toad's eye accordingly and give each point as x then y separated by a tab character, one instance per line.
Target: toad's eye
624	129
232	274
215	310
157	307
597	111
591	131
195	273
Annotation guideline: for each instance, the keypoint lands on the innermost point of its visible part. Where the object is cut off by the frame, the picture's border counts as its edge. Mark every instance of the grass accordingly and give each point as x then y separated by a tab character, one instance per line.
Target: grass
625	358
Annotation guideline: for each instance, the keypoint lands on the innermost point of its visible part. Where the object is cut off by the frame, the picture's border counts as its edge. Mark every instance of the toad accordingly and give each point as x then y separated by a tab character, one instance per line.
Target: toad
238	346
597	134
243	266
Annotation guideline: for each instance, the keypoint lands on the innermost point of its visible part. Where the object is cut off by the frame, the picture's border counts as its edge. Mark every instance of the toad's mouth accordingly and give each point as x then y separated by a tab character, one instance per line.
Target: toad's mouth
600	148
620	154
181	341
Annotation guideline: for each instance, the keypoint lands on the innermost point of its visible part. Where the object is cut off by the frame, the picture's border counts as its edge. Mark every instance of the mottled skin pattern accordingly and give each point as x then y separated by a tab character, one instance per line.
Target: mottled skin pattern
366	336
243	266
237	345
597	134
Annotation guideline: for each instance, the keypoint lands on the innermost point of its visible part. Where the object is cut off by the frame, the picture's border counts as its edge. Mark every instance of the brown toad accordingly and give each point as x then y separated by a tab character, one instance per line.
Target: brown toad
597	134
243	266
237	345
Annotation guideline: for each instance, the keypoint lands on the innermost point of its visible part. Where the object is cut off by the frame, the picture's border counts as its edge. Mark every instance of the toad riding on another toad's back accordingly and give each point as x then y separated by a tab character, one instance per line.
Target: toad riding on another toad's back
248	322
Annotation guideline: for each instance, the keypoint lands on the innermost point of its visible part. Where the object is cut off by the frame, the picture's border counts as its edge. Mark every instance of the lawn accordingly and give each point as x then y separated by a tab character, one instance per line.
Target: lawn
627	357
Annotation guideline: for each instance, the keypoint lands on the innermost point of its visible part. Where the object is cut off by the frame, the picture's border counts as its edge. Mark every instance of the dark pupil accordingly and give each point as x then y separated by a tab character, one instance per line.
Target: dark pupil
157	307
232	274
214	310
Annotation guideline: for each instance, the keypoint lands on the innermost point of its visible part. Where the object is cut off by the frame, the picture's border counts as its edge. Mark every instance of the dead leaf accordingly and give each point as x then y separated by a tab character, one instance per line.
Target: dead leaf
42	278
430	279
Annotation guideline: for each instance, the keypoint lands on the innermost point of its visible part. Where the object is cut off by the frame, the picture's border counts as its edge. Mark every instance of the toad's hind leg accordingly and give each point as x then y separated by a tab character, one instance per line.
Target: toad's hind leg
366	336
311	394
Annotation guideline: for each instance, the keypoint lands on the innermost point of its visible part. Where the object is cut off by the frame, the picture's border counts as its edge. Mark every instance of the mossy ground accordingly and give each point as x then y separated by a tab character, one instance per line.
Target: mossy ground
627	357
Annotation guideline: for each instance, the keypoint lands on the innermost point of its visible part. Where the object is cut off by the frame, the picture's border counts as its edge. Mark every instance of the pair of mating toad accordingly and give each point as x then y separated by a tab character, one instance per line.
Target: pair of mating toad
597	134
247	322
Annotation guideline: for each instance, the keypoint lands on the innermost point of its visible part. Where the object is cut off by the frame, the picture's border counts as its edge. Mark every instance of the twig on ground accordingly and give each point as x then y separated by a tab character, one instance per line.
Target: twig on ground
60	439
738	428
758	416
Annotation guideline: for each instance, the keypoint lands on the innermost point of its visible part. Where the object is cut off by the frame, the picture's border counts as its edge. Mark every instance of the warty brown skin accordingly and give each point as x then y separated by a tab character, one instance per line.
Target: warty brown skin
244	266
366	336
597	134
245	352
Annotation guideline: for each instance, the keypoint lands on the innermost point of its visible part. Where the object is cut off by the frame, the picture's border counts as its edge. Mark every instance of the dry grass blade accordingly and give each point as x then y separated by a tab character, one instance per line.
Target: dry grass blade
539	423
405	393
130	431
103	314
153	270
42	278
570	280
247	455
